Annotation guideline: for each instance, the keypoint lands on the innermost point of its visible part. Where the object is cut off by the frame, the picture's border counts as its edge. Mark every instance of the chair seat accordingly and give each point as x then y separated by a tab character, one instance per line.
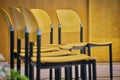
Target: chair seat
49	45
99	44
51	54
61	59
72	46
42	49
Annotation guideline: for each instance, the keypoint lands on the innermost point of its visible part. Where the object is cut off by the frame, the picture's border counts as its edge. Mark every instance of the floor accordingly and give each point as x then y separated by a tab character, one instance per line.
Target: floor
102	71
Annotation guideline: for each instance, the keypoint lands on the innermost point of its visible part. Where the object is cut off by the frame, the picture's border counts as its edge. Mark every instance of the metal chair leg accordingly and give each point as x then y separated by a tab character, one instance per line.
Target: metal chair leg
76	73
50	77
83	75
57	73
94	69
68	73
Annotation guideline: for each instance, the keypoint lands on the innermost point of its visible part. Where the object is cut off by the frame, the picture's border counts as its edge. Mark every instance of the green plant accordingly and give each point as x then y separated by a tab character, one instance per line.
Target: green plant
14	75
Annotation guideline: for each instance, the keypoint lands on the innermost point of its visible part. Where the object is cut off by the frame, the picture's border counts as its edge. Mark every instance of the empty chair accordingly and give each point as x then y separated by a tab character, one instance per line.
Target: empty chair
23	53
69	21
49	62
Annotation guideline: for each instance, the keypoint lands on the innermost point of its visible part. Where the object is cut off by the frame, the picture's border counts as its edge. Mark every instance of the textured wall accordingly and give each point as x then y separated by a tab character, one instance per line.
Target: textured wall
105	26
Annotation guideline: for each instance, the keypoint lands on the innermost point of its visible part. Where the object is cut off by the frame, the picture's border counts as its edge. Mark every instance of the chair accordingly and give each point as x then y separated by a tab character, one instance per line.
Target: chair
10	28
50	62
70	22
20	28
23	53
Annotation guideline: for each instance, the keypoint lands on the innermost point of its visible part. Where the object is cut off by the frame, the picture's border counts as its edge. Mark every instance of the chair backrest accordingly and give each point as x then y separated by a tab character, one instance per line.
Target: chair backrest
18	22
69	20
38	18
45	25
43	19
31	23
6	17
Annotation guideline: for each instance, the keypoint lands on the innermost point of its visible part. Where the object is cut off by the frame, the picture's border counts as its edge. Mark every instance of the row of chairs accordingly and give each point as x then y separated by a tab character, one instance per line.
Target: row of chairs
28	24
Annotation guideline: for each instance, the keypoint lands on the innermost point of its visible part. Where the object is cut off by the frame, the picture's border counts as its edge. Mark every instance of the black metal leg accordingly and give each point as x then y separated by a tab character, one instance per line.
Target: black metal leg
50	77
18	65
111	66
31	72
68	73
57	73
89	70
38	74
94	69
76	73
26	55
18	55
83	75
11	47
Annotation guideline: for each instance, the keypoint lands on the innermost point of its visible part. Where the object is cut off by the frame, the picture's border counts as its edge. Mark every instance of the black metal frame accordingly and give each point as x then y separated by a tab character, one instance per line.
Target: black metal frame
40	65
51	42
83	68
11	47
18	54
90	45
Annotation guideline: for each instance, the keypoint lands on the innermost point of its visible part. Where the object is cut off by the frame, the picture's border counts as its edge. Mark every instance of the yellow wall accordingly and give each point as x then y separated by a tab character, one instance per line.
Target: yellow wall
101	20
104	25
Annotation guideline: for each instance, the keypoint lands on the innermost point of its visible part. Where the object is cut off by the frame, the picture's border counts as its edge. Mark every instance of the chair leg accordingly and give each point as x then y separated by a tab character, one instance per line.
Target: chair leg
31	72
18	65
83	72
38	73
110	59
76	73
50	77
94	69
89	70
68	73
57	73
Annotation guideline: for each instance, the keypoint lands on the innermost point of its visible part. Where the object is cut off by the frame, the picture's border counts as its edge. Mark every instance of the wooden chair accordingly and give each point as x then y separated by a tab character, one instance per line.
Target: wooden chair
50	62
